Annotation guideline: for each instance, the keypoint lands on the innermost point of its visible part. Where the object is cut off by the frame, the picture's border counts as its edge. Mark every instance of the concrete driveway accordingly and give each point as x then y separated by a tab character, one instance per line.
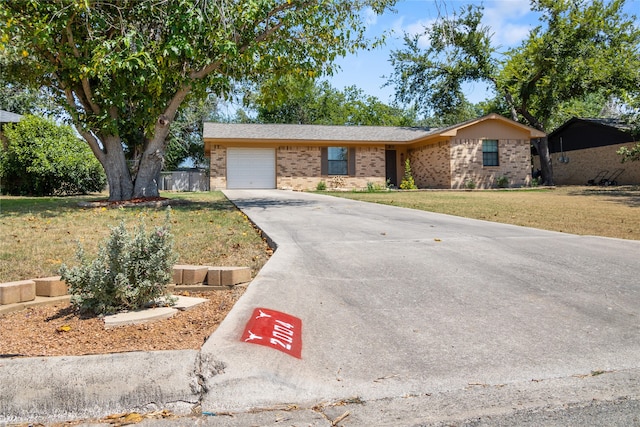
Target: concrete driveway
426	317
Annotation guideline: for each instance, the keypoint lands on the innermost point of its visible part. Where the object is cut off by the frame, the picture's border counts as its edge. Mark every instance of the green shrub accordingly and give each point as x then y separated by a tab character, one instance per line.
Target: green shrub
502	182
373	187
129	272
322	186
469	184
407	181
629	154
41	158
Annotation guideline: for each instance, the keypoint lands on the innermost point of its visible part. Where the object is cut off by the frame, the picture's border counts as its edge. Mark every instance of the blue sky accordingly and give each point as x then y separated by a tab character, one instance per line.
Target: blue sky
510	21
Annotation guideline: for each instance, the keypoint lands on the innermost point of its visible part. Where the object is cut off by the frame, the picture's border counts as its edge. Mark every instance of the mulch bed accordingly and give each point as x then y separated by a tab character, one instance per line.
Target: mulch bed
155	202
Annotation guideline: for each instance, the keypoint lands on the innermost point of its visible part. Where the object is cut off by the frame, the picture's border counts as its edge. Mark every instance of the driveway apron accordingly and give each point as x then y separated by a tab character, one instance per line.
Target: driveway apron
398	303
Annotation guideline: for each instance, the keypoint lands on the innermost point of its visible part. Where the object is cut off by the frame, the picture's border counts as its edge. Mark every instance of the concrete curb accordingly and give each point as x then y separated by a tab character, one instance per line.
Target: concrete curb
50	389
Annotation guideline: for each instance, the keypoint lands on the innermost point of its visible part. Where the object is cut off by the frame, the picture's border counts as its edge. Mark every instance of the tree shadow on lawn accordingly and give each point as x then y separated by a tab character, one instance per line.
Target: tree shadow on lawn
265	202
626	195
47	207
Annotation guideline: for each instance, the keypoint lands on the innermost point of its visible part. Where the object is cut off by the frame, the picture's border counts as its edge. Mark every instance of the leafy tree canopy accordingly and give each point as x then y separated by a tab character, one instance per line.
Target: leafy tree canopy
123	68
581	48
308	101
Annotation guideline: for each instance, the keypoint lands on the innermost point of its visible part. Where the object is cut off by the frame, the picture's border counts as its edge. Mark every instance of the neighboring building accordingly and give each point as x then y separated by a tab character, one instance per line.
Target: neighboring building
300	156
583	151
7	117
184	180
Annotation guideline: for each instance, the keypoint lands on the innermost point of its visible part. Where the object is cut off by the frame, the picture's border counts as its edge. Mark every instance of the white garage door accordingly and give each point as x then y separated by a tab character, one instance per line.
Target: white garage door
251	168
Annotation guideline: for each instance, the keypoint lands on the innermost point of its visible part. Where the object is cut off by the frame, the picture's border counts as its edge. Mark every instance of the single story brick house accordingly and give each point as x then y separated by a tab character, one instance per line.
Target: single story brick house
300	156
584	150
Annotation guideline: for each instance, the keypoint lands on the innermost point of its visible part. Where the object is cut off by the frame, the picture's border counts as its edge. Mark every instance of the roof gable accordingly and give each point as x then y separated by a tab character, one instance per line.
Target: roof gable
453	130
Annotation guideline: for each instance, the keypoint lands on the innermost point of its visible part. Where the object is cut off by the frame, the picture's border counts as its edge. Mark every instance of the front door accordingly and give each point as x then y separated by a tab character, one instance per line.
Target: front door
391	167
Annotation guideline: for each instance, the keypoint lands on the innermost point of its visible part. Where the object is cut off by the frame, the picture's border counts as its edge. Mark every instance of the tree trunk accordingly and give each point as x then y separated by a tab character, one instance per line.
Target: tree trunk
545	161
542	146
109	151
146	184
115	167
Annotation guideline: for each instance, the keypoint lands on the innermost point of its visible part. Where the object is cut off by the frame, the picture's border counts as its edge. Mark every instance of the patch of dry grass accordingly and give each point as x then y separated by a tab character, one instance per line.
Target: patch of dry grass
598	211
39	234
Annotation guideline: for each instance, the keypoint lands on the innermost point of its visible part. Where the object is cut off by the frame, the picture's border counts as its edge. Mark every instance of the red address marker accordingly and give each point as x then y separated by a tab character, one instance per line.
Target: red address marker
274	329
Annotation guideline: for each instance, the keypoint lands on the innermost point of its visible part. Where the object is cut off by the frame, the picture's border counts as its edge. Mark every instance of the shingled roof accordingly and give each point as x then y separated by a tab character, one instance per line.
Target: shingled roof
313	132
349	134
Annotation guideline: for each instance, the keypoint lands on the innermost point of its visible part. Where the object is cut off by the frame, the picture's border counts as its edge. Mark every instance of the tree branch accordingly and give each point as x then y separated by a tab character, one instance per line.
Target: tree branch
530	118
93	143
208	69
260	37
161	129
86	87
91	140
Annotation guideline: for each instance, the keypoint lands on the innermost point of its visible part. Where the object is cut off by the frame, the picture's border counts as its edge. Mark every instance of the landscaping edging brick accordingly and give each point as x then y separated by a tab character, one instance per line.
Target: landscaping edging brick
17	292
21	294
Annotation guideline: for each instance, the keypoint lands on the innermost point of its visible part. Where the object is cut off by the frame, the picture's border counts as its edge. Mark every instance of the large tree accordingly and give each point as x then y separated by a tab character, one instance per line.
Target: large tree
581	48
308	101
123	68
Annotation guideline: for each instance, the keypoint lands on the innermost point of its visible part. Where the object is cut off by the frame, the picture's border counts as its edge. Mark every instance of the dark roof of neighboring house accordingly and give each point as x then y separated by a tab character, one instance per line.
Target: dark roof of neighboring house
8	117
581	133
383	134
616	123
604	122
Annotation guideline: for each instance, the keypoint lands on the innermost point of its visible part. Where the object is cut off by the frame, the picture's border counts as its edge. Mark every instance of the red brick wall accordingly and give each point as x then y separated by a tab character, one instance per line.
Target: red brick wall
297	167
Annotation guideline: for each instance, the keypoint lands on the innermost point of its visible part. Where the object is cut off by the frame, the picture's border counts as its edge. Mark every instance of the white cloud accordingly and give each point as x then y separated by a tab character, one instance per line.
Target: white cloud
370	17
511	35
399	29
510	21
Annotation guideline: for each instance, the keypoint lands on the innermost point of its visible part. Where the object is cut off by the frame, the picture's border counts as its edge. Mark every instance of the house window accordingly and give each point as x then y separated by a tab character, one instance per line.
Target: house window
338	161
490	152
337	158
